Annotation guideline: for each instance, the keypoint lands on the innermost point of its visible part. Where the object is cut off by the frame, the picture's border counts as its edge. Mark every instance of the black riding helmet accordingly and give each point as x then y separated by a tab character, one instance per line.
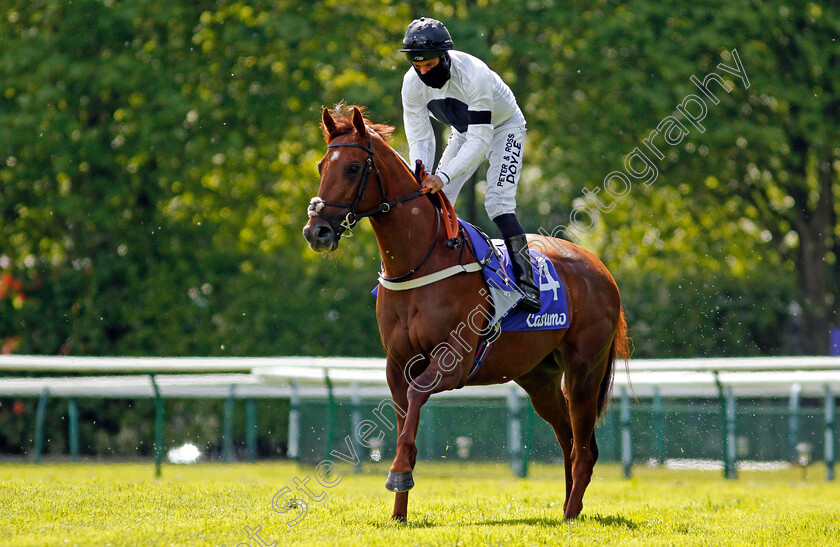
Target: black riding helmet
425	39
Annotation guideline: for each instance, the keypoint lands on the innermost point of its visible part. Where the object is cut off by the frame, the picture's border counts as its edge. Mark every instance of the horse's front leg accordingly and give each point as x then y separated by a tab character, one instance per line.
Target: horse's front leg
400	478
399	393
436	378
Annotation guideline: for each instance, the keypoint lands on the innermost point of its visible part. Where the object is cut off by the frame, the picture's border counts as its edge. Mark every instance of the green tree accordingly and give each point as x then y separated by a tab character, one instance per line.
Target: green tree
756	193
157	165
156	160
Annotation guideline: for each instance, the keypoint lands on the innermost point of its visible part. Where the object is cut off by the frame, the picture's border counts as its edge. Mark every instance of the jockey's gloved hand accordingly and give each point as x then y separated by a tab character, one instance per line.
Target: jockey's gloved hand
434	182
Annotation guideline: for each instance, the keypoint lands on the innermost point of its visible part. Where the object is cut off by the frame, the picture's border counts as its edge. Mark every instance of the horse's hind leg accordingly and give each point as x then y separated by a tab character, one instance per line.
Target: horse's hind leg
582	386
543	385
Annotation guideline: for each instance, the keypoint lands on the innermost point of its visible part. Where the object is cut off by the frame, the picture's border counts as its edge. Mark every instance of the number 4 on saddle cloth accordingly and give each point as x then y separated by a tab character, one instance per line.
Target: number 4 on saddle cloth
492	255
553	311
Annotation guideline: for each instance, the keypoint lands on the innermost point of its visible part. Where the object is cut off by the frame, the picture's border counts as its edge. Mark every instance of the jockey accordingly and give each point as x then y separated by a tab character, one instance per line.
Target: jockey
462	92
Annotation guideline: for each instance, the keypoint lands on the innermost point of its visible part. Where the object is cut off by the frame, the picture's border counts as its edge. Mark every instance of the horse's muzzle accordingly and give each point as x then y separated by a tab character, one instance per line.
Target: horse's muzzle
321	236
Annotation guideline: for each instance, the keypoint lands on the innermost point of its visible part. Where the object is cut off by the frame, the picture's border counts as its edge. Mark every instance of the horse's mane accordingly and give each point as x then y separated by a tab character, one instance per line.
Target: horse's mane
342	114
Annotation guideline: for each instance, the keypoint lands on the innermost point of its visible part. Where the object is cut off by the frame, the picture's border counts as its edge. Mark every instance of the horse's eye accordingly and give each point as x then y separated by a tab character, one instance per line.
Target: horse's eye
354	168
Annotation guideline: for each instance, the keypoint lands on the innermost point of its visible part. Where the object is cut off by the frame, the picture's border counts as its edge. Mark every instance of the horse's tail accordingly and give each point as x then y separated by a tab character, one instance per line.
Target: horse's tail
619	349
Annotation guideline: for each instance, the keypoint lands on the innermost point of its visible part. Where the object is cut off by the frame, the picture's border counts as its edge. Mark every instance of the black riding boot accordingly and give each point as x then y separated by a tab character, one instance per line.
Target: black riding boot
524	273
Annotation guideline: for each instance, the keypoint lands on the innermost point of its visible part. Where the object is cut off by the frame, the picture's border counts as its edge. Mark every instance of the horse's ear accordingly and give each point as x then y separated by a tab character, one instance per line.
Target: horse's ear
359	123
329	125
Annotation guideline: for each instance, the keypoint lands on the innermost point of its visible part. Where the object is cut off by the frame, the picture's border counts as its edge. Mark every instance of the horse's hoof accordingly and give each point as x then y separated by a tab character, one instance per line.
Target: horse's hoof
572	515
399	482
399	518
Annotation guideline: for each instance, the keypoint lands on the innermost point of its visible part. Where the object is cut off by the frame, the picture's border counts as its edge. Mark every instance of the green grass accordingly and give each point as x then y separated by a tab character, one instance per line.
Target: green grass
452	504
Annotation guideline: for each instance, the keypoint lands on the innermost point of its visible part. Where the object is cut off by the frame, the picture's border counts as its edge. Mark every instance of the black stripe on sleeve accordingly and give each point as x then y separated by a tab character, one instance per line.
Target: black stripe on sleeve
480	117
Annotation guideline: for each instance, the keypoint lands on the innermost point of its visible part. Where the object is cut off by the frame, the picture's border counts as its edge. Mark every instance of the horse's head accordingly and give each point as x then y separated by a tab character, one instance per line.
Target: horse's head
351	184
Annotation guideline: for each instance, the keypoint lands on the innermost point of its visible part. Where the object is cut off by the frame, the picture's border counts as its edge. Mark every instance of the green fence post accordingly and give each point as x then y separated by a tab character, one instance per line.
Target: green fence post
330	414
40	414
724	437
514	431
227	427
727	411
727	419
356	419
428	413
626	441
610	433
251	429
658	426
293	439
793	421
73	428
829	432
159	418
527	437
730	461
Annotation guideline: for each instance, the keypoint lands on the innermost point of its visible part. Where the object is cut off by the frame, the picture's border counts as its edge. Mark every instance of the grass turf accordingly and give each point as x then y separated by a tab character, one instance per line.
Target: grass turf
452	504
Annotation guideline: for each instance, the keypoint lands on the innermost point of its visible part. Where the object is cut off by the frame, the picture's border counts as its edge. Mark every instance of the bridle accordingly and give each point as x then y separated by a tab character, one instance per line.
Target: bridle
316	204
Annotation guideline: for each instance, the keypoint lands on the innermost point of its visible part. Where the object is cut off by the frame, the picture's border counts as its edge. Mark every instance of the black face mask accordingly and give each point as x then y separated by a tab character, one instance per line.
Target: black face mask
439	75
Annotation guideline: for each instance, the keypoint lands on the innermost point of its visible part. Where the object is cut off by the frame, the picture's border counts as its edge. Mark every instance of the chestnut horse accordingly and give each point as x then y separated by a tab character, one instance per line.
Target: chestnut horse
566	372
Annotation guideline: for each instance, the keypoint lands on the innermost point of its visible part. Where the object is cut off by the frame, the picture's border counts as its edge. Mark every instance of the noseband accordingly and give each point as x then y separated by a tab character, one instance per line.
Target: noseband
316	204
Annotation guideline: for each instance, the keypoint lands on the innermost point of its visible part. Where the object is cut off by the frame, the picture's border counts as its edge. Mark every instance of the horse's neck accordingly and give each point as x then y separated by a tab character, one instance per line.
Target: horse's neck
405	233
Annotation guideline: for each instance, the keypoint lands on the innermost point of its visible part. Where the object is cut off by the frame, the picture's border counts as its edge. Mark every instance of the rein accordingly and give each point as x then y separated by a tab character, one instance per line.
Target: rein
446	210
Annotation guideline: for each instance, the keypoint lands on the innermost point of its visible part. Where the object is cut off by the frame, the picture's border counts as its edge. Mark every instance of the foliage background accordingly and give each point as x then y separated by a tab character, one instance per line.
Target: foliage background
157	157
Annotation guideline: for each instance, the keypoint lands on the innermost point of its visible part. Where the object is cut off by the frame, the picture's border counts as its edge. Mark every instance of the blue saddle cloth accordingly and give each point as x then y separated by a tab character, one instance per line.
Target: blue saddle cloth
553	309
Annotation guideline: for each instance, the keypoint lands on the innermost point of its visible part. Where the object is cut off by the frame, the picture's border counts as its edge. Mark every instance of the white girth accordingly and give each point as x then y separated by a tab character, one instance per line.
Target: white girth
428	279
